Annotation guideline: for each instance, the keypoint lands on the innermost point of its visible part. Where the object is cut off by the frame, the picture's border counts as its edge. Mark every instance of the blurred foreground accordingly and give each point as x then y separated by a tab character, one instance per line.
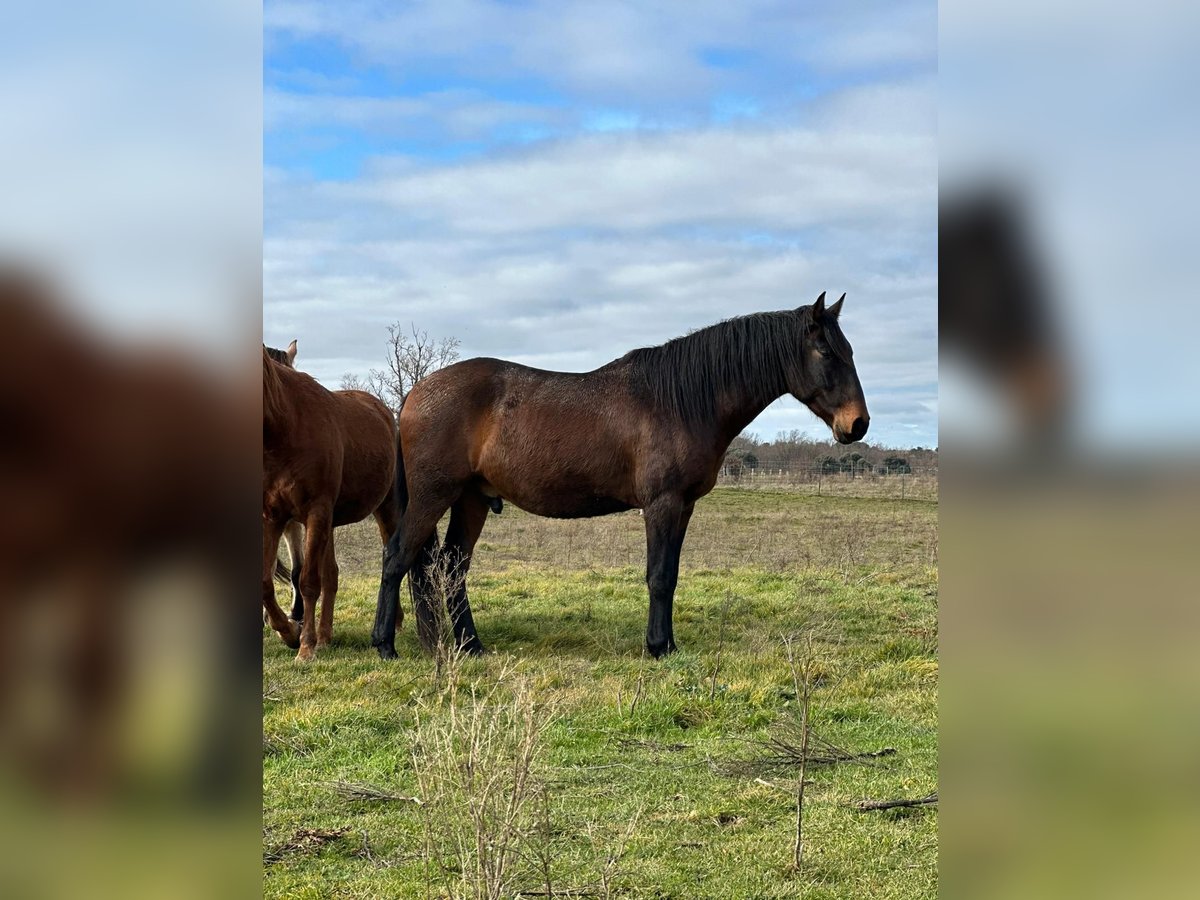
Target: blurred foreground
130	240
1070	445
127	533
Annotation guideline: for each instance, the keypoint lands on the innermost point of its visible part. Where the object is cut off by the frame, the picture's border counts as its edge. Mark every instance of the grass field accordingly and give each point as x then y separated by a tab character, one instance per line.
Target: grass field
566	757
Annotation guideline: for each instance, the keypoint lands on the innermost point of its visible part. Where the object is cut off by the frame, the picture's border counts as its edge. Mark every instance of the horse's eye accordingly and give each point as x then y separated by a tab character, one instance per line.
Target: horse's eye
823	352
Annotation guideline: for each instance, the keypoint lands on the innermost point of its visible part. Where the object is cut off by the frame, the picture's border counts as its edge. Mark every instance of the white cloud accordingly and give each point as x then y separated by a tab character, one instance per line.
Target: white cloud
459	113
778	178
566	253
639	51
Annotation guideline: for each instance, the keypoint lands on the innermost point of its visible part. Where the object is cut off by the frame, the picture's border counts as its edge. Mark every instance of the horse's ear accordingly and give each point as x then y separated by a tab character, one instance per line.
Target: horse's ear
836	309
291	352
819	306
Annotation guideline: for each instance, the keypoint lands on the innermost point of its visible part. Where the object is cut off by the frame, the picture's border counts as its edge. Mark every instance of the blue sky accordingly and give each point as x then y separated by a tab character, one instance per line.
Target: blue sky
559	182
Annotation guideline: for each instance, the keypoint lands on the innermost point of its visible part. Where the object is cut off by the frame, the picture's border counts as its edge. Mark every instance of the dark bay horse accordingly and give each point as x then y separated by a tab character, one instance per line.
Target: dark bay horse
329	459
647	431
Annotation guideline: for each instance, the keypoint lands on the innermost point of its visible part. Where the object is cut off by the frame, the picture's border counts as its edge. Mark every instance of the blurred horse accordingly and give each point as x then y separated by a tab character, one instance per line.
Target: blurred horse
647	431
996	310
125	467
328	460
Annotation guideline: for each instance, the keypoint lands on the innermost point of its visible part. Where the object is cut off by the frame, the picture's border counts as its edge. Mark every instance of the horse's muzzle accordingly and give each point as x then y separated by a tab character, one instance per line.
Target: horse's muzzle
856	432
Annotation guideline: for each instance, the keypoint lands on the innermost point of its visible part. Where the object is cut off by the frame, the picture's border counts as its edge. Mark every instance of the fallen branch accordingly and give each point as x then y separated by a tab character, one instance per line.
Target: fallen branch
366	792
782	750
866	805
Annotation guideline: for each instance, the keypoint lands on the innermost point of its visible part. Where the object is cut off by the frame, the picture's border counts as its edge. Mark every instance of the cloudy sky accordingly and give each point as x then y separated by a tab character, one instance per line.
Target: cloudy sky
558	182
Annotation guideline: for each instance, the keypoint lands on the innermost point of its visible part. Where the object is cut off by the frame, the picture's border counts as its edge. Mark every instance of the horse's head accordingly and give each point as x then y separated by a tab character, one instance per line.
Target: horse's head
826	381
283	357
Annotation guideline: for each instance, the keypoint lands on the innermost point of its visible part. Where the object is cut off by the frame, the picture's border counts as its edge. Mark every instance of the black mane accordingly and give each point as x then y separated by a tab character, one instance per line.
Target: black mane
756	353
280	356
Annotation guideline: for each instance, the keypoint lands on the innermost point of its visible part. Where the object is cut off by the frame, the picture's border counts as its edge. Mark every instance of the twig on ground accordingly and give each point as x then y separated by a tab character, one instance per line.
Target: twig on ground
712	692
781	750
641	683
802	680
866	805
365	852
355	791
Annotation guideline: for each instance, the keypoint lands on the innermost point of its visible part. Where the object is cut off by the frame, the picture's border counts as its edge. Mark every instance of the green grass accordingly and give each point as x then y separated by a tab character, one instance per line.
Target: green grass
862	575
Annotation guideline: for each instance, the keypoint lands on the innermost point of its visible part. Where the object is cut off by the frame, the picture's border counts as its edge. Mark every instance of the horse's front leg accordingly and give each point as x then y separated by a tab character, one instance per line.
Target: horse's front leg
666	520
289	631
318	535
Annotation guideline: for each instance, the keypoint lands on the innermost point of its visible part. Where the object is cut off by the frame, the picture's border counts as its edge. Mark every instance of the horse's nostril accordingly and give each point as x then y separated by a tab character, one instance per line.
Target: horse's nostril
859	428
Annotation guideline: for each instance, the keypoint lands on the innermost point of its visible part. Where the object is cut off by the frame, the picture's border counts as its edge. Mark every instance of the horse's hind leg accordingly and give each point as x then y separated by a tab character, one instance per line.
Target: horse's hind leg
428	604
288	631
467	518
417	527
329	588
387	518
318	536
294	535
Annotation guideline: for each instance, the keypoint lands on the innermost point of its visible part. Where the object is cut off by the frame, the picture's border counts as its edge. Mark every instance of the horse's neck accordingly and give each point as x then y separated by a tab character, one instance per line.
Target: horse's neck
278	409
737	407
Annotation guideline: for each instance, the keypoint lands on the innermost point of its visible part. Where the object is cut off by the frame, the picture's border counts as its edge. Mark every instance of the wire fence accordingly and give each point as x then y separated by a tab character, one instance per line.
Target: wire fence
913	483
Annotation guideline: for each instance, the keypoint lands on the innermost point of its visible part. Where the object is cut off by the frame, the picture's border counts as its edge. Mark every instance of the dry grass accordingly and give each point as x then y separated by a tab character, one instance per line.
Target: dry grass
776	530
476	752
862	486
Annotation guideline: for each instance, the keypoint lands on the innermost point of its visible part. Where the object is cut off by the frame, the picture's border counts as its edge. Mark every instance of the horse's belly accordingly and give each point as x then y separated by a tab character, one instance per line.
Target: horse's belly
578	508
557	503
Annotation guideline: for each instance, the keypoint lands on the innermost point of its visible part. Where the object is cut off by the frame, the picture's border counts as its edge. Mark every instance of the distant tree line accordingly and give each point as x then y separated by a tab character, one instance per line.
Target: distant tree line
793	451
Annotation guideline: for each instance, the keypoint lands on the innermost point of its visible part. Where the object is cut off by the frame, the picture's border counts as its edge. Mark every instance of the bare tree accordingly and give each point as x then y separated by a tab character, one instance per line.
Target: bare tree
411	355
351	382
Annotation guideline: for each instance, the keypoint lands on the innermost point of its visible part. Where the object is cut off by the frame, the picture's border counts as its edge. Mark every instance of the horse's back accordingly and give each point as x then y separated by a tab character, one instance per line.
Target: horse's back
554	443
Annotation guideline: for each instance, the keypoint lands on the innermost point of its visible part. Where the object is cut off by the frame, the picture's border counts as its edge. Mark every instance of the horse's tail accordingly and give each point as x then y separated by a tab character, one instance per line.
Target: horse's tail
282	572
387	608
400	487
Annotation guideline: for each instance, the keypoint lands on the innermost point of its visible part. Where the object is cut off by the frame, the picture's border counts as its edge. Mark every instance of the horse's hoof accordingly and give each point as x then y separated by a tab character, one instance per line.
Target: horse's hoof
474	647
306	654
658	651
387	651
292	637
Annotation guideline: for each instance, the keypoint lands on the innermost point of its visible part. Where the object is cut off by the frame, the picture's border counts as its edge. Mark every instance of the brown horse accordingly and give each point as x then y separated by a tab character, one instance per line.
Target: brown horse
648	431
328	460
293	532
